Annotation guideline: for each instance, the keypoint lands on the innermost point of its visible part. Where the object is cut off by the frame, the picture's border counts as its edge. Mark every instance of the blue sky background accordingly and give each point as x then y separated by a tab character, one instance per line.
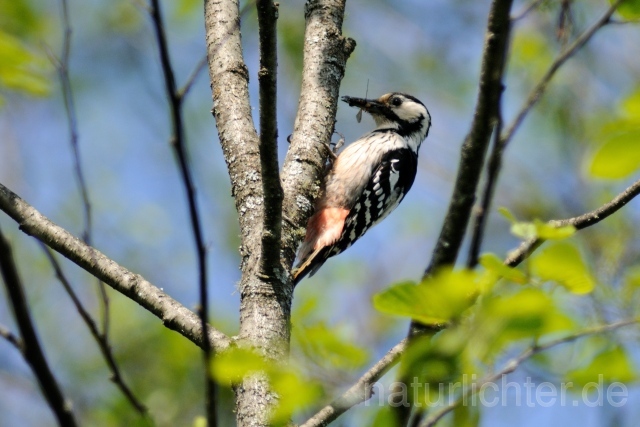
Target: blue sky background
429	49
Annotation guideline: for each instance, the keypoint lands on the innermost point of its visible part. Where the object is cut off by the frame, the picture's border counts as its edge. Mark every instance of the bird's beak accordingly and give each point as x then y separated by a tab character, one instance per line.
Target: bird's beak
369	105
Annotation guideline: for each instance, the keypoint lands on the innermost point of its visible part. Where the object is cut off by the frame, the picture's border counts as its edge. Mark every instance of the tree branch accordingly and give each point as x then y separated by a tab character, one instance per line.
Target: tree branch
475	144
179	146
579	222
31	349
232	111
324	60
200	66
100	338
11	338
360	391
539	89
512	365
272	190
173	315
472	154
62	66
265	308
493	168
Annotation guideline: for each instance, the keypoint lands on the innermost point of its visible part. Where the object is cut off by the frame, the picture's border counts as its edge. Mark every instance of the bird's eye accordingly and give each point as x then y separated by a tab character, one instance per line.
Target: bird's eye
396	101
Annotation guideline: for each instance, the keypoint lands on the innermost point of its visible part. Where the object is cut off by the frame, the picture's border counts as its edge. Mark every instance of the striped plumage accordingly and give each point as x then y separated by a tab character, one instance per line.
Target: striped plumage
367	181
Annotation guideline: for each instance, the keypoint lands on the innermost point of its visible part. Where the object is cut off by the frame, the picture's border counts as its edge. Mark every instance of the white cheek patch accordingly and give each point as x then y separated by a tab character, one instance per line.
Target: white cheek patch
410	111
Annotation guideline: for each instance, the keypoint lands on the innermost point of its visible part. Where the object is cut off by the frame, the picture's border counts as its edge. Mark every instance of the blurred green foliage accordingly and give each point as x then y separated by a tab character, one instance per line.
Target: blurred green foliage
22	69
619	155
630	9
589	116
435	301
608	365
563	264
294	391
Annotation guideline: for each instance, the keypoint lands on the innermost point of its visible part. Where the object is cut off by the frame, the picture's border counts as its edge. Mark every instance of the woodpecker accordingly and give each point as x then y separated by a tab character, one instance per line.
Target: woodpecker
367	180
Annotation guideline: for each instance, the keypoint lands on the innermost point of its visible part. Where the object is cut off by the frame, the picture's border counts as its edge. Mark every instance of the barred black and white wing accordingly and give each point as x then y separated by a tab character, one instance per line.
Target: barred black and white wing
388	185
386	188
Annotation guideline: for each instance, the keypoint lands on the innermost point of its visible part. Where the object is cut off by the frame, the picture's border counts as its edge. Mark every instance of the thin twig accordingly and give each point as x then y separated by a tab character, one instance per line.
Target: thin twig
512	365
199	68
501	141
11	338
179	146
539	89
533	5
32	351
174	315
100	338
62	66
271	188
360	391
493	168
579	222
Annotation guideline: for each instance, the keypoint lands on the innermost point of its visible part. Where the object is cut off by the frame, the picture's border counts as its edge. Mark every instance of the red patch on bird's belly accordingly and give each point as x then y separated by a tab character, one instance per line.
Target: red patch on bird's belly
325	226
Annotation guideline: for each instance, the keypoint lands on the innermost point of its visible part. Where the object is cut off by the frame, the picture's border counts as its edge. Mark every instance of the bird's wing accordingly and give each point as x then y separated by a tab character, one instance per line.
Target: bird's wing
384	191
386	188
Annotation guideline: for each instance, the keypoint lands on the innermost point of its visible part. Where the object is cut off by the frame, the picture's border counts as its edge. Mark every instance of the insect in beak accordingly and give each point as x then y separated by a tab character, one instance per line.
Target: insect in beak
366	93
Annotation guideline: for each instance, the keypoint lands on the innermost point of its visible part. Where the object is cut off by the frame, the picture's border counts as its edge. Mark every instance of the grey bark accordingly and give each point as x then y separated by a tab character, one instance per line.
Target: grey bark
265	303
325	56
265	306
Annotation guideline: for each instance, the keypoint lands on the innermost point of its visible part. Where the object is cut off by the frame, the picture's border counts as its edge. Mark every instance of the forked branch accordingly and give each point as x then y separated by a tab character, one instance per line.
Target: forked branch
173	315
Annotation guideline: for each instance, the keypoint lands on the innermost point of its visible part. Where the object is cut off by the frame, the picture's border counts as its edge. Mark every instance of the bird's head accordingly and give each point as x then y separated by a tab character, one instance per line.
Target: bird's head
398	111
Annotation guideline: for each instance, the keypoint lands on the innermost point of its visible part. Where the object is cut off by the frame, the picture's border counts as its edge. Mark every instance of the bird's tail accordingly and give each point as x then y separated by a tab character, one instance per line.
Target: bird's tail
308	265
323	230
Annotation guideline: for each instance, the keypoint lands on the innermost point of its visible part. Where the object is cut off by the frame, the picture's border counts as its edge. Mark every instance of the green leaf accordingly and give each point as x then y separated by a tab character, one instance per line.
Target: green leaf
187	7
385	417
528	313
21	69
531	52
200	421
547	231
631	105
466	416
232	365
505	319
507	214
433	360
523	230
325	344
619	156
20	18
630	290
562	263
435	301
543	230
295	393
608	366
494	264
630	9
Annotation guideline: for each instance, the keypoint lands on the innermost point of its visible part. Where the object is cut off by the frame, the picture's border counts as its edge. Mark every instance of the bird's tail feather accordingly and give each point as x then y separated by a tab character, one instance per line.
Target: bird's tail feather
309	265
